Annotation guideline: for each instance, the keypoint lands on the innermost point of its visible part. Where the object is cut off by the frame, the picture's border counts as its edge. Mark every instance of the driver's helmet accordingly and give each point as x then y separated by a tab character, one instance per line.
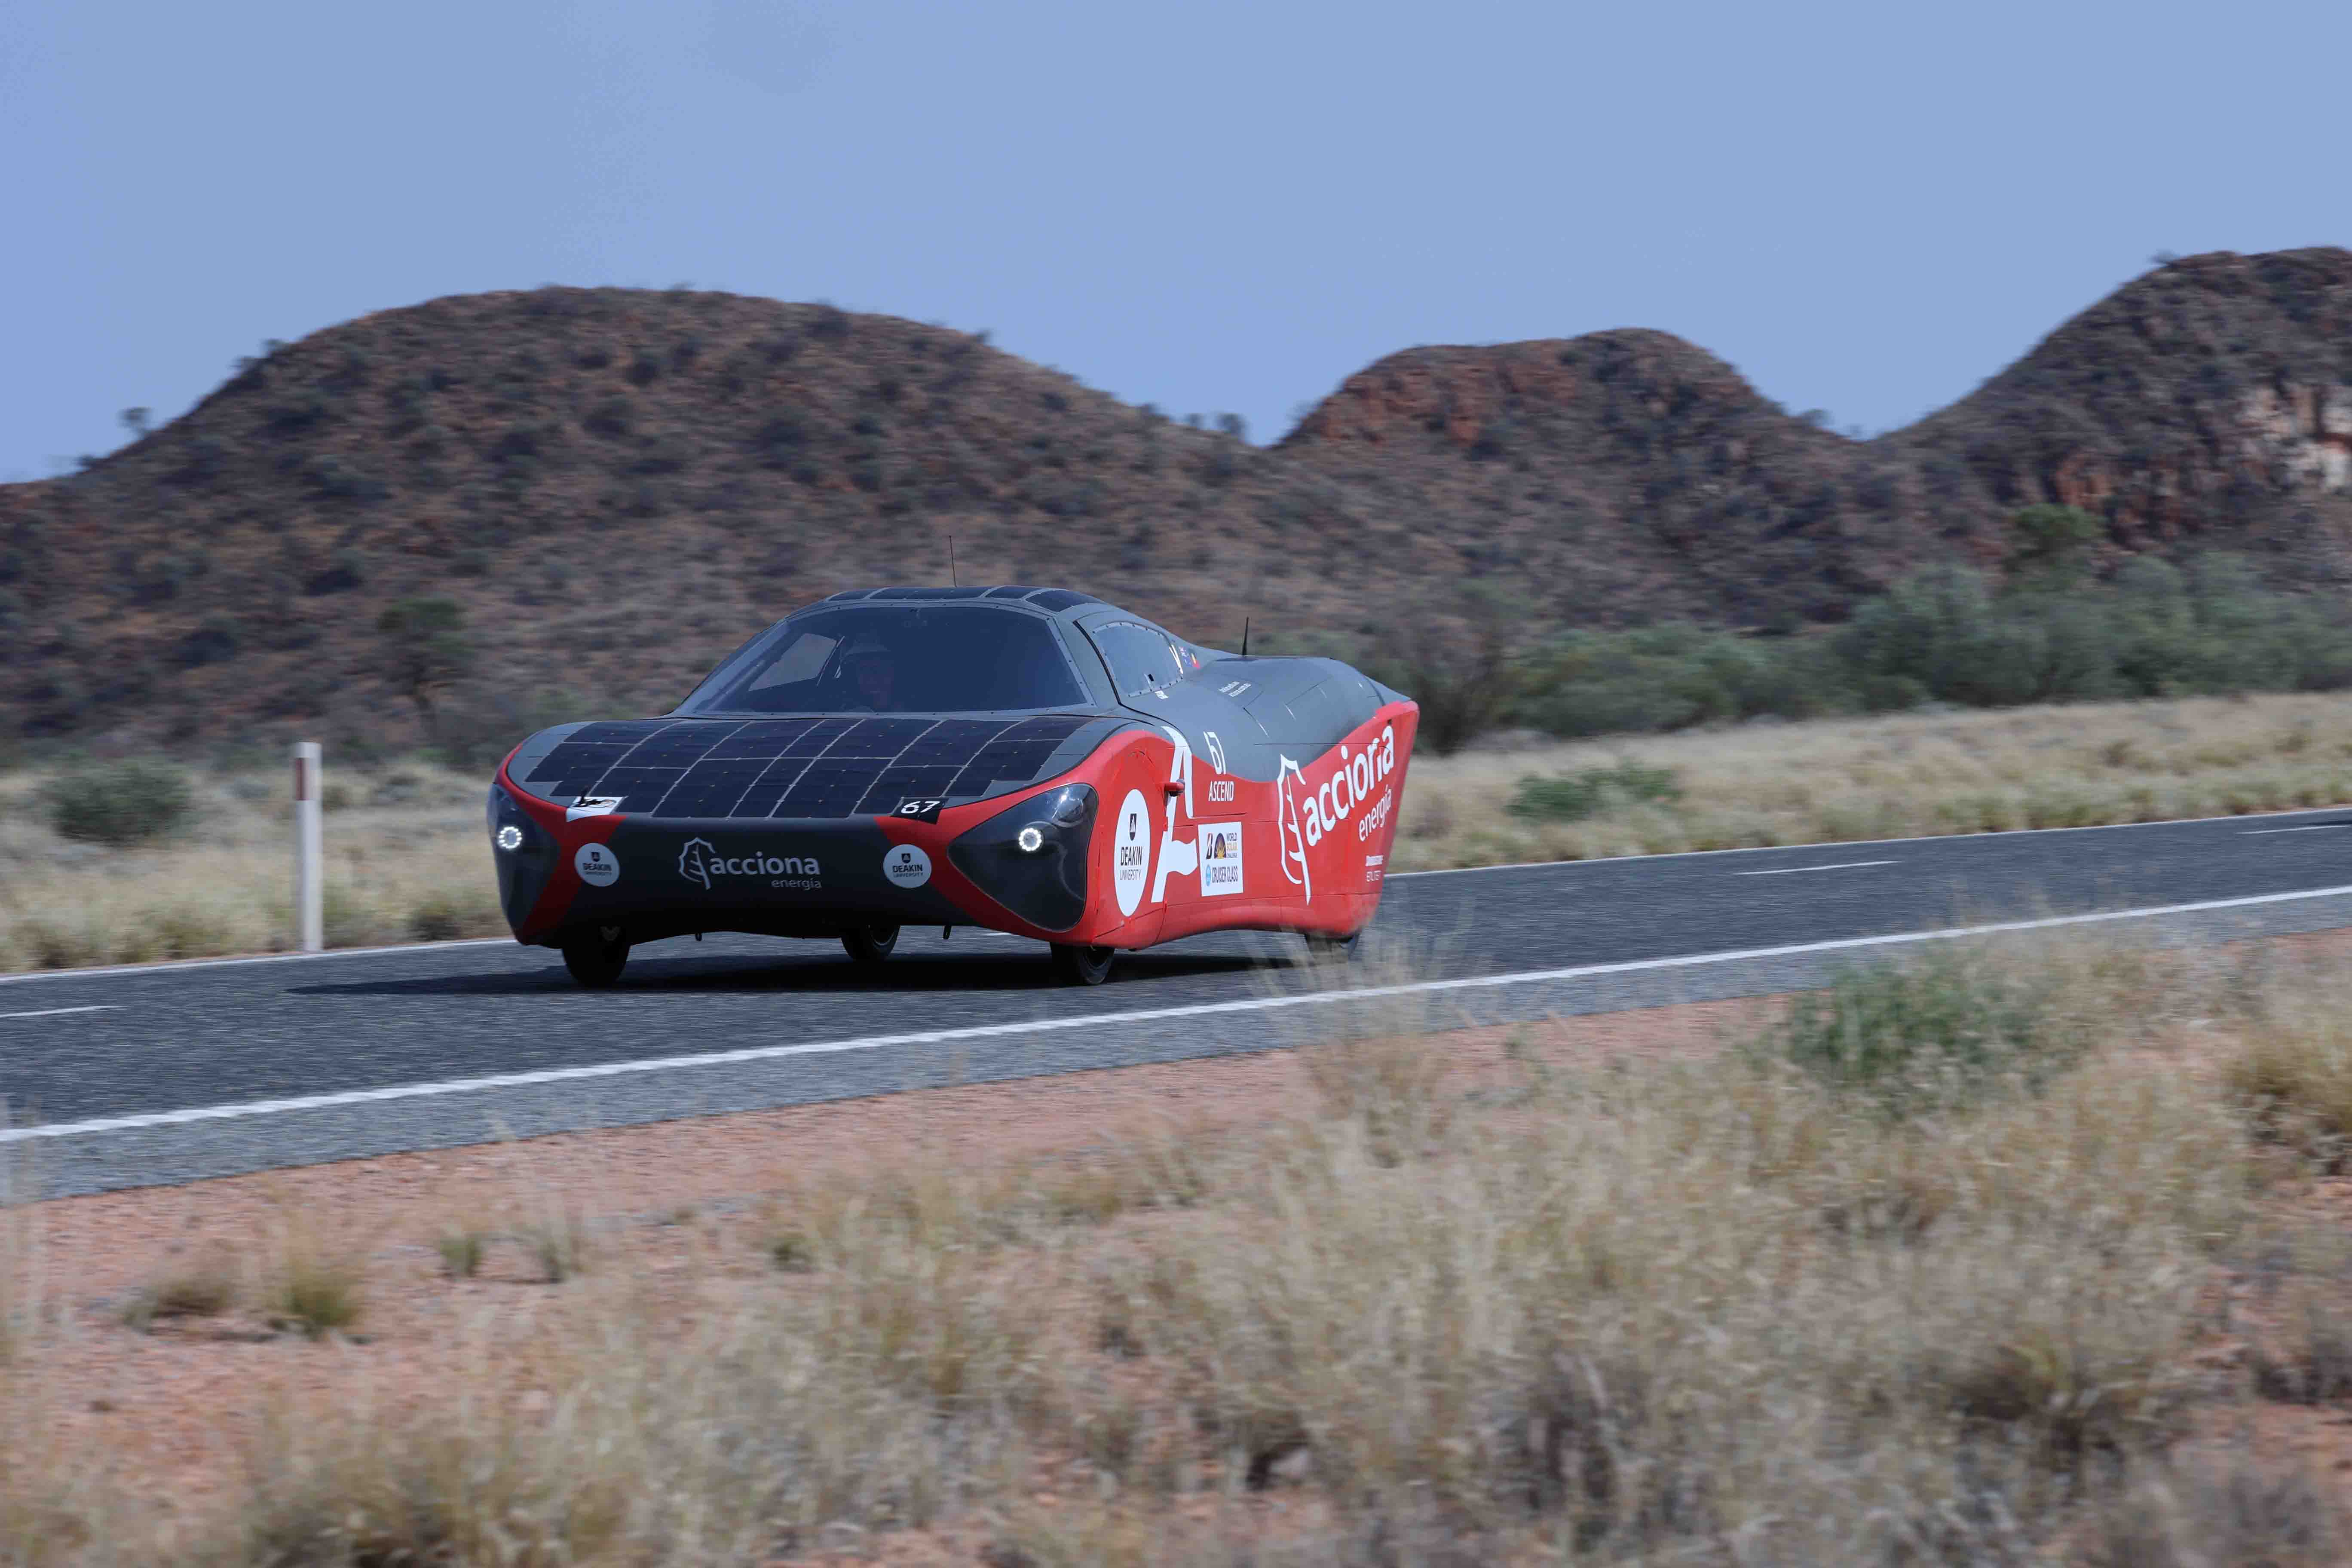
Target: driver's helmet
863	645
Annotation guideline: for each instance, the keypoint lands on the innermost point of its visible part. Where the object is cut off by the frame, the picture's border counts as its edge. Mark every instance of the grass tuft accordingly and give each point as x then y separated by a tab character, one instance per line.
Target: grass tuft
2295	1069
314	1291
559	1245
462	1247
205	1287
792	1251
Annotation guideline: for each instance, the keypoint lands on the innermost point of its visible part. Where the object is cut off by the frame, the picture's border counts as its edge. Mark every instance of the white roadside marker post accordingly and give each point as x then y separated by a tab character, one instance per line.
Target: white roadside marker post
309	903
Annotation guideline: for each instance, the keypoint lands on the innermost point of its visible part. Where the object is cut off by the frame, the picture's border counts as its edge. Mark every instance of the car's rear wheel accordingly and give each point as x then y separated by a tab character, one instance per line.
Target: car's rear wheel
869	944
1077	965
1329	950
596	957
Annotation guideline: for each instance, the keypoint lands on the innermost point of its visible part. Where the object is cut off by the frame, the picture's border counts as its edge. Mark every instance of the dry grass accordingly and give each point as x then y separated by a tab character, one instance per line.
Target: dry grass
2072	766
462	1247
315	1290
24	1296
1716	1309
405	862
2296	1070
205	1286
2219	1512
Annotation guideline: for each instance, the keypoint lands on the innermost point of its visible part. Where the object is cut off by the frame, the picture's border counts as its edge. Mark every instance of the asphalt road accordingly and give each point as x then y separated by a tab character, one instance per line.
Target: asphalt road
140	1047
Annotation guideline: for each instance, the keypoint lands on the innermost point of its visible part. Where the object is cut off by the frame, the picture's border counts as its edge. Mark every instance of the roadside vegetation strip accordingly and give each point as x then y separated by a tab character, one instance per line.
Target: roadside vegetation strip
1420	1312
1337	995
1893	777
406	861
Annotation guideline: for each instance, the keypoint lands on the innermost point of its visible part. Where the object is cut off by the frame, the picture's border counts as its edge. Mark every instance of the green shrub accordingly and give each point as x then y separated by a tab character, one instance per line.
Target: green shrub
1572	798
1939	1034
1565	797
120	804
2048	633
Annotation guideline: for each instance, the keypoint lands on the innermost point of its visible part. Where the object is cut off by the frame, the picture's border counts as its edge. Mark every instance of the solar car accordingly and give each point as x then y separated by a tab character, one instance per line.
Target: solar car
1027	760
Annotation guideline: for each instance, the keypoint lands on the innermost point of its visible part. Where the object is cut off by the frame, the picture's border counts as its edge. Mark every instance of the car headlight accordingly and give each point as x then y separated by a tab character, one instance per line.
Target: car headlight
509	838
1034	865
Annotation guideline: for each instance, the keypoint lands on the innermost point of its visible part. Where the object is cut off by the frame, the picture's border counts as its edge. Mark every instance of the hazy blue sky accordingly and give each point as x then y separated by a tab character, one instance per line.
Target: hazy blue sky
1868	208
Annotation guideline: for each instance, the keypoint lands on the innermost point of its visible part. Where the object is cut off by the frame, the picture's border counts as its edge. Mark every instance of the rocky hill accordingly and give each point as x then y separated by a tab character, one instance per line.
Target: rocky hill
2206	404
619	484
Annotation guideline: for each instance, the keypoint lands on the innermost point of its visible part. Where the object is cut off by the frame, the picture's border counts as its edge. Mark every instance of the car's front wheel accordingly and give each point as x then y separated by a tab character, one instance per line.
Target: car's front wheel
1076	964
869	944
596	957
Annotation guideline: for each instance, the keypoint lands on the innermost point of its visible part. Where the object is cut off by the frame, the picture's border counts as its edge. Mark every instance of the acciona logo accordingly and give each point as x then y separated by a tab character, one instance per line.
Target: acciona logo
700	861
1321	809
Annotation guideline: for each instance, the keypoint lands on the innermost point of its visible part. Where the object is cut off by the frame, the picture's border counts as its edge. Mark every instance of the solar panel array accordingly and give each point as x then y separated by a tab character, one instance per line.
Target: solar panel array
795	767
1055	599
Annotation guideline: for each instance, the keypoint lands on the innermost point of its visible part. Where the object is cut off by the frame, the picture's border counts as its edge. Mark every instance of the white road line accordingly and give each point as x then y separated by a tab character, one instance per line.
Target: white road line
57	1011
2314	827
1098	1020
1792	871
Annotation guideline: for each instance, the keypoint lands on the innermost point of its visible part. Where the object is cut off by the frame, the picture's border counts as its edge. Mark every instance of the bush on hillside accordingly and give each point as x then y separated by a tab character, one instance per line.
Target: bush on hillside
424	648
1458	655
475	729
1945	635
1674	677
2154	631
119	804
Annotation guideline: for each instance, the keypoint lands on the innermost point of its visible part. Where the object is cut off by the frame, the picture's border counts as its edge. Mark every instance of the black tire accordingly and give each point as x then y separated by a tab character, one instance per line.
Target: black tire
869	944
1076	964
1332	950
596	957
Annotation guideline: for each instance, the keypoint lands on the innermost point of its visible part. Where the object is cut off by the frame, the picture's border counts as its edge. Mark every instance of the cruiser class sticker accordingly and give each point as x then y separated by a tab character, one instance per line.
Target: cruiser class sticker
1220	858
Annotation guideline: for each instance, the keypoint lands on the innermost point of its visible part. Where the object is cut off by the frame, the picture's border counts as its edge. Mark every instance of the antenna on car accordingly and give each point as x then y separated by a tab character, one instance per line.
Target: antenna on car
951	567
1244	637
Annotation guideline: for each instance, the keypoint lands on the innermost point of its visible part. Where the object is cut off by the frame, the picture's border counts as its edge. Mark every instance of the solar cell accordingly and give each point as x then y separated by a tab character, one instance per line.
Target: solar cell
796	767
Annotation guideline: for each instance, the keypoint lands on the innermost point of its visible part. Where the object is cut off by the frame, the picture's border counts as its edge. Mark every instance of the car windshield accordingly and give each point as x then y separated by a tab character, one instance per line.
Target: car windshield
1142	659
896	659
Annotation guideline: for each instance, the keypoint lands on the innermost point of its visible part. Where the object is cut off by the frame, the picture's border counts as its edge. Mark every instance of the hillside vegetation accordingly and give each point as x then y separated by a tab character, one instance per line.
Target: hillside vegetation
613	487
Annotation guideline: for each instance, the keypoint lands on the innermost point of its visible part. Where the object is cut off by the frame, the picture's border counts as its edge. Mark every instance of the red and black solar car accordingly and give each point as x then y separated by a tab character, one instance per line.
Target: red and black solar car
1029	760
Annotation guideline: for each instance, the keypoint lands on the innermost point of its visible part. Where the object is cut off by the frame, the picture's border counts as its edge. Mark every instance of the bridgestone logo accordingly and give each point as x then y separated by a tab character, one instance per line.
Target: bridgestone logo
700	861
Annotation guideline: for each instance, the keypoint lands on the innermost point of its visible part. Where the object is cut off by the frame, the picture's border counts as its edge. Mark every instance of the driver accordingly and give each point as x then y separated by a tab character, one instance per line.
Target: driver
873	671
